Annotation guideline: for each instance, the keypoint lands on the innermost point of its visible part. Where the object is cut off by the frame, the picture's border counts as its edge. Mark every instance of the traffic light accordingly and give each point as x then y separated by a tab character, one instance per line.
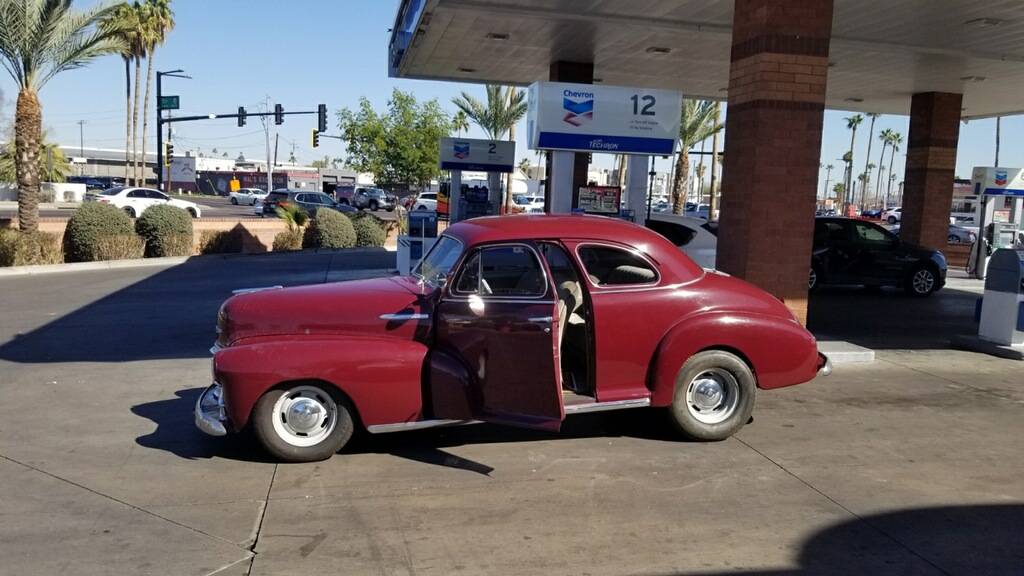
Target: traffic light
321	118
278	114
316	138
241	116
168	153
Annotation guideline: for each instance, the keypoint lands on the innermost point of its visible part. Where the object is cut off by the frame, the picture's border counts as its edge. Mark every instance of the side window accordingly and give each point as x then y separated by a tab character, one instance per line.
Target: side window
870	235
137	194
157	195
502	271
608	266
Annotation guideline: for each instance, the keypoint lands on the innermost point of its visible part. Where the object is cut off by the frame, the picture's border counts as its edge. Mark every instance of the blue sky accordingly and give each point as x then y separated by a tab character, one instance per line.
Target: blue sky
331	52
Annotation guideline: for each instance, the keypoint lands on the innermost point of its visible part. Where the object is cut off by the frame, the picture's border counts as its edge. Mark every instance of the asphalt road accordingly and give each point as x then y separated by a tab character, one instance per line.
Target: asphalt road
911	465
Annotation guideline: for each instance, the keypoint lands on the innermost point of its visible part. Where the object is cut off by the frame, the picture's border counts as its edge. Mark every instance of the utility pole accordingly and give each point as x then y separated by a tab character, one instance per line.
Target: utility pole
266	133
81	145
998	118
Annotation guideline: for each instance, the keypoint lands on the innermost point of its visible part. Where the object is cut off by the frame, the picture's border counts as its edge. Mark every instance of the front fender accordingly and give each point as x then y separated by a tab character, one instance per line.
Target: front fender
381	376
780	351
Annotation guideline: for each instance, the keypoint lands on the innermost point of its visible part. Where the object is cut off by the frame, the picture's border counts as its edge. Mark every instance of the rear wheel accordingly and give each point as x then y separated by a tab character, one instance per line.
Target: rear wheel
303	423
922	281
814	278
373	206
892	220
714	396
234	201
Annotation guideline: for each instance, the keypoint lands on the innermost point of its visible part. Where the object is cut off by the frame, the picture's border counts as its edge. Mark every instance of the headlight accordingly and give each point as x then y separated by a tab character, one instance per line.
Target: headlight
222	327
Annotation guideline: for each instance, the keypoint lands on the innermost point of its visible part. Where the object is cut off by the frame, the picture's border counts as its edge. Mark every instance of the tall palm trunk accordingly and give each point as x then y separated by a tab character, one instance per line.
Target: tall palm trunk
28	131
145	113
847	192
881	162
680	180
135	124
713	204
888	185
867	162
127	120
621	171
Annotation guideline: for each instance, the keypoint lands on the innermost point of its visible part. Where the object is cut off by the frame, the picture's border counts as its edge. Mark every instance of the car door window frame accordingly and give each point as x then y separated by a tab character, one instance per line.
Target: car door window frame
609	287
458	295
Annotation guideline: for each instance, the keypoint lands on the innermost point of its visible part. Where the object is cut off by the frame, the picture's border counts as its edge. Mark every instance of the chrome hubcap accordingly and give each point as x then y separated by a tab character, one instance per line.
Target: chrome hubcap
305	416
712	396
923	281
812	279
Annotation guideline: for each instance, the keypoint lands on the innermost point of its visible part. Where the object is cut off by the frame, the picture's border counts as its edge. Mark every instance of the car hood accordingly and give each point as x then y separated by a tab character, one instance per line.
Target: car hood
393	306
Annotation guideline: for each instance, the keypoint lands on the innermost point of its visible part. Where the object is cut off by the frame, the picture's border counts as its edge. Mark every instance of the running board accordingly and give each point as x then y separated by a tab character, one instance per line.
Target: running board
573	409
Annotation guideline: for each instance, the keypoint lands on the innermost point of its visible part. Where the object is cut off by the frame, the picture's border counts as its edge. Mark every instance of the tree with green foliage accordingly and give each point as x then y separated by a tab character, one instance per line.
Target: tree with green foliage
39	39
399	146
699	121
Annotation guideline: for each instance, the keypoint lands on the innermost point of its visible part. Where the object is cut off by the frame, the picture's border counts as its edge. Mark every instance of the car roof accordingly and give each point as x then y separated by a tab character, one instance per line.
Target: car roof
679	219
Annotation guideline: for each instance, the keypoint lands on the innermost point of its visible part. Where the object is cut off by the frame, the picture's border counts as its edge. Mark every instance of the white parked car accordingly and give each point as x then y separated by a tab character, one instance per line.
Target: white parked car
134	201
426	201
248	196
696	237
893	216
529	204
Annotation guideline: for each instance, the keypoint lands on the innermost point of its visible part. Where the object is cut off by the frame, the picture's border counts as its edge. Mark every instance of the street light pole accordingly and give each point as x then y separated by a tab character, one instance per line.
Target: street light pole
81	145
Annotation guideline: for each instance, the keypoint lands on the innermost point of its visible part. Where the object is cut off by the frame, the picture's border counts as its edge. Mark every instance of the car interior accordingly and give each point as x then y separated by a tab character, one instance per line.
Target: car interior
574	325
613	266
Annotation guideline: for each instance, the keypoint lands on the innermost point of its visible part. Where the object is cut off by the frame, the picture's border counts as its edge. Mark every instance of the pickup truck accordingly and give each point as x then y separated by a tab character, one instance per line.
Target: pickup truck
365	197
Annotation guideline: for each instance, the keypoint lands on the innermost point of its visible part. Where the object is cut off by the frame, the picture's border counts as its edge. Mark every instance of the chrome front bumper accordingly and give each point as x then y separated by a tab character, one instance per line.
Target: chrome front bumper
210	411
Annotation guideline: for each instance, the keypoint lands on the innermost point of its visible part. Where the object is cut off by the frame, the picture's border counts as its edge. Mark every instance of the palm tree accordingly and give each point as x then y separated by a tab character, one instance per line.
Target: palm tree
460	123
158	21
851	124
505	107
53	165
828	177
867	158
698	122
885	136
38	40
524	166
894	142
123	23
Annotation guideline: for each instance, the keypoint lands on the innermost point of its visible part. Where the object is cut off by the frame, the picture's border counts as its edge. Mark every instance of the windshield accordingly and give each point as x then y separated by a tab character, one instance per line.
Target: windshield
439	261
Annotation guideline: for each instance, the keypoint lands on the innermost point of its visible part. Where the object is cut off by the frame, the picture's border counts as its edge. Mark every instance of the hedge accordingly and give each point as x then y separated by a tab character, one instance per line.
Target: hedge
370	230
288	240
88	225
28	248
220	242
329	229
167	231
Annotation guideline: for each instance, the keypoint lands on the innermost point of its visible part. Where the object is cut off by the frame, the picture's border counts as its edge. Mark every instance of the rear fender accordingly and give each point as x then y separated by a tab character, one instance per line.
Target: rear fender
381	376
779	351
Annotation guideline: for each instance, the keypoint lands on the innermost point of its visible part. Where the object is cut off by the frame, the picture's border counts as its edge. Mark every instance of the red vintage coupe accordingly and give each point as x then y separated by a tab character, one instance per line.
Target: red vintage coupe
515	320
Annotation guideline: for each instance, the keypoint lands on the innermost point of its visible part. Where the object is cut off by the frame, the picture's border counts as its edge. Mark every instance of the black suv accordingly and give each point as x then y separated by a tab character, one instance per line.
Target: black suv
850	251
310	202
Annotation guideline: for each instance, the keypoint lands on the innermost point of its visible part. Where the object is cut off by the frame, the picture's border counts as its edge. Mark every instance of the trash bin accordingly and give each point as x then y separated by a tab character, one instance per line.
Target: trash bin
1002	307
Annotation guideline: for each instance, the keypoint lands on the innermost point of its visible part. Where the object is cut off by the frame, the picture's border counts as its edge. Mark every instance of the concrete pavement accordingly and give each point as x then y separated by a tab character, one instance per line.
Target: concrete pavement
909	465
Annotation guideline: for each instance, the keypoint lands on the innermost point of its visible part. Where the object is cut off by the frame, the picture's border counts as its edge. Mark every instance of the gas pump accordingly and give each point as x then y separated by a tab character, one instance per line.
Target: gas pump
1000	193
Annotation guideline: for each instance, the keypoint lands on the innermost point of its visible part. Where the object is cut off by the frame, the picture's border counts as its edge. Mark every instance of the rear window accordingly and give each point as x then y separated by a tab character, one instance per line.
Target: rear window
610	266
112	191
277	196
677	234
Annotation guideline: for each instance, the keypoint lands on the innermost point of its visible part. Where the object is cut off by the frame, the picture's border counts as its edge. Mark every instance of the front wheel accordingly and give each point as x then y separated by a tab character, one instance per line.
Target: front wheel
373	206
892	220
130	212
714	396
304	423
814	278
921	282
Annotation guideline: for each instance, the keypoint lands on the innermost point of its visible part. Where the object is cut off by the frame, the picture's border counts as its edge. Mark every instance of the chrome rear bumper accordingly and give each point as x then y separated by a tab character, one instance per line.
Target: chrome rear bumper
210	411
824	365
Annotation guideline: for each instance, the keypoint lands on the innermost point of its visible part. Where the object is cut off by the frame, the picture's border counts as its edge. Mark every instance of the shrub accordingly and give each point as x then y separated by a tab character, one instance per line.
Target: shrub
119	247
91	222
29	248
370	230
288	240
329	229
220	242
167	231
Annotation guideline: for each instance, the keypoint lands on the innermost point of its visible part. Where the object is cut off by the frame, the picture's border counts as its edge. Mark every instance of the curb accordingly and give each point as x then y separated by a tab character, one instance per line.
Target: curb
87	266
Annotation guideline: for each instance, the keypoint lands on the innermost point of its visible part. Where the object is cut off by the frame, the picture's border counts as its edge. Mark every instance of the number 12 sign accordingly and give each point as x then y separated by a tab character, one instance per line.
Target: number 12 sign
597	118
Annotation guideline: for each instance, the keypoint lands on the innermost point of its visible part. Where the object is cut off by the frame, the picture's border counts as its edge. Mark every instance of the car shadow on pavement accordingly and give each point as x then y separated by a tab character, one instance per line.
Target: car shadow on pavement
978	540
887	319
176	432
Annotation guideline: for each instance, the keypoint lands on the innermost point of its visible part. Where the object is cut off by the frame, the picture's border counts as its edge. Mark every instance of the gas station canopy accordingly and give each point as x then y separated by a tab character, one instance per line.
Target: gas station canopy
881	51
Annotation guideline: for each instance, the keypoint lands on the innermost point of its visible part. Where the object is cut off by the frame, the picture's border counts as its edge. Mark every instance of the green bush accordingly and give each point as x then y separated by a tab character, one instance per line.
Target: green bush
288	240
329	229
370	230
119	247
167	231
220	242
28	248
90	223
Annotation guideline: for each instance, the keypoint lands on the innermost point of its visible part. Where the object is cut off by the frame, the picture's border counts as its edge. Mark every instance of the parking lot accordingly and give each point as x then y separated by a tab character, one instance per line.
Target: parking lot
909	465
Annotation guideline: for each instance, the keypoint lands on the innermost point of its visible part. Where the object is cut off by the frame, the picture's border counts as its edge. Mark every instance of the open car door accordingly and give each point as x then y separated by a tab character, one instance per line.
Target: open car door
495	356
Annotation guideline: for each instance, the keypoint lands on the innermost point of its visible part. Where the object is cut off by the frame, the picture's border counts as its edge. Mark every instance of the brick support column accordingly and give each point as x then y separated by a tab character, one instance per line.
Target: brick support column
580	73
777	80
931	163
